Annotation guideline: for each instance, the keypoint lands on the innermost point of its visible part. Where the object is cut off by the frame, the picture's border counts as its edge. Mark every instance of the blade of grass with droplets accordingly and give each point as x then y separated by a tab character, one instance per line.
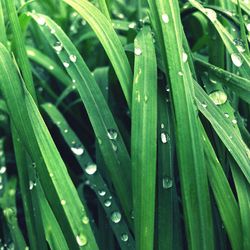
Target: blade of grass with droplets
110	140
243	193
53	232
109	40
143	139
8	205
227	205
165	203
238	54
110	206
36	232
27	120
225	130
47	63
195	193
240	85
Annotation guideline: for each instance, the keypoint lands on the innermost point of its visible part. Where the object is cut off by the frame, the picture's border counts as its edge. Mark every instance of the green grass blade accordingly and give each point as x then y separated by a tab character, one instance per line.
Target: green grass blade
227	205
96	181
47	63
143	139
195	195
225	130
110	140
65	203
109	40
240	85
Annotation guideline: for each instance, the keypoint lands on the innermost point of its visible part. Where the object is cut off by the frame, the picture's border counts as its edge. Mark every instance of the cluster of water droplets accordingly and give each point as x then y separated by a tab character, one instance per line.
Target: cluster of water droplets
164	137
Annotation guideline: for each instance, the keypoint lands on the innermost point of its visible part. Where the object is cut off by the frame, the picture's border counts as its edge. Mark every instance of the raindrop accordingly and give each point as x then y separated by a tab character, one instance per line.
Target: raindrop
81	240
234	121
211	14
164	138
51	67
236	59
124	237
112	134
41	21
132	25
180	73
218	97
204	105
114	146
52	31
101	192
31	185
66	64
184	57
77	151
66	131
3	170
167	183
248	27
239	45
162	125
165	18
116	217
58	46
138	51
107	203
226	115
91	169
72	58
63	202
85	220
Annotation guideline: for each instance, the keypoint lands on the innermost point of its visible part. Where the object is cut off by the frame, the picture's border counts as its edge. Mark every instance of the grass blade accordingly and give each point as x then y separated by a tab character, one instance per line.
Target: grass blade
143	148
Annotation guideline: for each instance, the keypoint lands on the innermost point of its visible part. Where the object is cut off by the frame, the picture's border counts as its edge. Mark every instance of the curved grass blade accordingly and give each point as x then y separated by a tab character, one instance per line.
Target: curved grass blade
243	192
239	56
8	205
227	205
195	192
49	65
143	139
240	85
109	40
50	167
110	140
96	182
225	130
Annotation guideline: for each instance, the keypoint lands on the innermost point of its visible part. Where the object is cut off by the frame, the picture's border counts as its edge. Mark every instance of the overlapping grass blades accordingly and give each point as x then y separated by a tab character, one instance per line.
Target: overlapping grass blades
143	148
107	133
194	187
33	133
109	40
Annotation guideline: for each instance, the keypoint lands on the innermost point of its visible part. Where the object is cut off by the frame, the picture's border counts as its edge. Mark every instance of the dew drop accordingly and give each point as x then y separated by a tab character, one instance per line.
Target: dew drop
116	217
91	169
101	192
248	27
164	138
31	185
167	183
51	67
112	134
234	121
63	202
138	51
107	203
236	59
66	131
184	57
204	105
211	14
77	151
165	18
85	220
41	21
52	31
114	146
218	97
66	64
132	25
81	240
72	58
3	170
180	73
226	115
58	46
124	237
